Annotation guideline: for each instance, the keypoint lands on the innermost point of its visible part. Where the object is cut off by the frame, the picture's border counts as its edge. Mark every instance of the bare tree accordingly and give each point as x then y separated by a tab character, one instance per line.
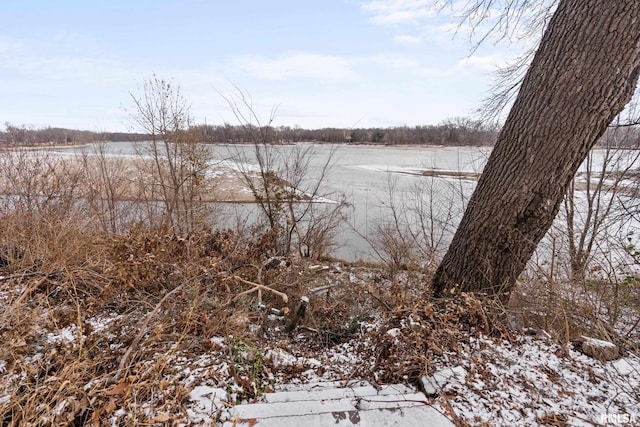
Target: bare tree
289	185
108	189
584	72
416	223
592	205
19	135
178	160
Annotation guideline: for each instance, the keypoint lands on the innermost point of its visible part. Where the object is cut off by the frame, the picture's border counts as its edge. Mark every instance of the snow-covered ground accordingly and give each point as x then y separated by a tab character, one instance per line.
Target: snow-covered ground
492	382
529	381
497	383
471	377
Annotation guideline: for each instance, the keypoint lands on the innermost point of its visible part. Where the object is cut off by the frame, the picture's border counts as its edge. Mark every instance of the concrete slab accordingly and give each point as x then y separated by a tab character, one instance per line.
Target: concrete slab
359	404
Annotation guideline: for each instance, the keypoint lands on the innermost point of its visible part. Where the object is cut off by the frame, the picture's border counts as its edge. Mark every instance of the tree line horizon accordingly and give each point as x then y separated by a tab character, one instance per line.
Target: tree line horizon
457	131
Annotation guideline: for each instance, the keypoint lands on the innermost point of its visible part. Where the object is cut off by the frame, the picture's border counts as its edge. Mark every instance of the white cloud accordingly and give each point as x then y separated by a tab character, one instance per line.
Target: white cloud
17	59
470	65
482	63
297	65
441	66
405	39
393	12
433	20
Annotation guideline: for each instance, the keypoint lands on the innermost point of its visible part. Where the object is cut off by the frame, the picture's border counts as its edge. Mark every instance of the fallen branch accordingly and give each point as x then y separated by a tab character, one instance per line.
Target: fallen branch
32	287
257	287
143	331
324	289
28	274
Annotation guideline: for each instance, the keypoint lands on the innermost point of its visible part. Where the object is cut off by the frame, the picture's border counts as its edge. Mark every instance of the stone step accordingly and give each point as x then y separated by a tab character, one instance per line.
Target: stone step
326	404
337	393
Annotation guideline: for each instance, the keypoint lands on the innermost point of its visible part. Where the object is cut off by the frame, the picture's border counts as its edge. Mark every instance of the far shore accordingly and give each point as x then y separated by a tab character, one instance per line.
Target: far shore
35	147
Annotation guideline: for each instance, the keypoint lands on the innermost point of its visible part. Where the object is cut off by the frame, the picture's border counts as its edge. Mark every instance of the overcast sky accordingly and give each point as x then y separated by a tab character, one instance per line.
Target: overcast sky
324	63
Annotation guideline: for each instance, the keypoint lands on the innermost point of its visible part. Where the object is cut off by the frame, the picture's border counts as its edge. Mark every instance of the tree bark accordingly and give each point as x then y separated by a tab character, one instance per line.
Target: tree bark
583	74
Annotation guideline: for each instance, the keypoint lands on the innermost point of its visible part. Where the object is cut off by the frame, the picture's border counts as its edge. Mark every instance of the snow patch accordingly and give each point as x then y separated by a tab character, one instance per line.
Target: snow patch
444	380
65	336
208	399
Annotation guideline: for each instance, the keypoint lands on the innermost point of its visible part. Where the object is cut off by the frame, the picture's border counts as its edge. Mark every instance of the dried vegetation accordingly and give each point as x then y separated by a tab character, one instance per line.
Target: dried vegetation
95	326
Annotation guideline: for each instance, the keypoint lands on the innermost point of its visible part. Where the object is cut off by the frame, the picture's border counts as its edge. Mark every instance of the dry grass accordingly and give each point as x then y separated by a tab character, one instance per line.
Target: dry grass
91	324
106	295
605	309
85	316
414	335
132	179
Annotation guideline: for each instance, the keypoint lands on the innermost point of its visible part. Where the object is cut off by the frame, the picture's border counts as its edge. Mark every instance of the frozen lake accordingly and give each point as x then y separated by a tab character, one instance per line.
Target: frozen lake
364	174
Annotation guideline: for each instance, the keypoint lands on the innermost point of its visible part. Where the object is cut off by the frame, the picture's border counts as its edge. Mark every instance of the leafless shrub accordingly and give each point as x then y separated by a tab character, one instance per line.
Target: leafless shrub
175	175
39	181
415	224
288	186
112	196
584	269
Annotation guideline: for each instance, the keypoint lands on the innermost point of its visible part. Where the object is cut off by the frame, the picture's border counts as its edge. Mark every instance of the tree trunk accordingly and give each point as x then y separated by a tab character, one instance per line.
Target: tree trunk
583	74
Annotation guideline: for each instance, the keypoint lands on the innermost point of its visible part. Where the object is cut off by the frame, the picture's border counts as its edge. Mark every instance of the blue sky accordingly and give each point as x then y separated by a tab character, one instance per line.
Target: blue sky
338	63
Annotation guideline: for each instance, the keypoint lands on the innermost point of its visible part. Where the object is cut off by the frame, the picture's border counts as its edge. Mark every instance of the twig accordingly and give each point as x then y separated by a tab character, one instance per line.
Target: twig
377	298
30	289
143	331
354	371
257	287
25	275
50	275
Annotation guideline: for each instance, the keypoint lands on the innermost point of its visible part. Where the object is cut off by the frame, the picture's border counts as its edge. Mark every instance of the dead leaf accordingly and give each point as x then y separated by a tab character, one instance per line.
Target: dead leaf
18	342
111	406
99	413
118	389
160	418
95	418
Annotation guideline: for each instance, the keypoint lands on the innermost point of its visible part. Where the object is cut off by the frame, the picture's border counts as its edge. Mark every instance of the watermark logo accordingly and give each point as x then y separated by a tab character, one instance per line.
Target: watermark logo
619	419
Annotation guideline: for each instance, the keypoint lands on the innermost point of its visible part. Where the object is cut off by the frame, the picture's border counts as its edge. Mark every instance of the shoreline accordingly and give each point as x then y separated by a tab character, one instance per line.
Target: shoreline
131	180
41	146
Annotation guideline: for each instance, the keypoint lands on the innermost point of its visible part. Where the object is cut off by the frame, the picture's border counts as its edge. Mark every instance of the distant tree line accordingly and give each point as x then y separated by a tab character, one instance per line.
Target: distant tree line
458	131
23	135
